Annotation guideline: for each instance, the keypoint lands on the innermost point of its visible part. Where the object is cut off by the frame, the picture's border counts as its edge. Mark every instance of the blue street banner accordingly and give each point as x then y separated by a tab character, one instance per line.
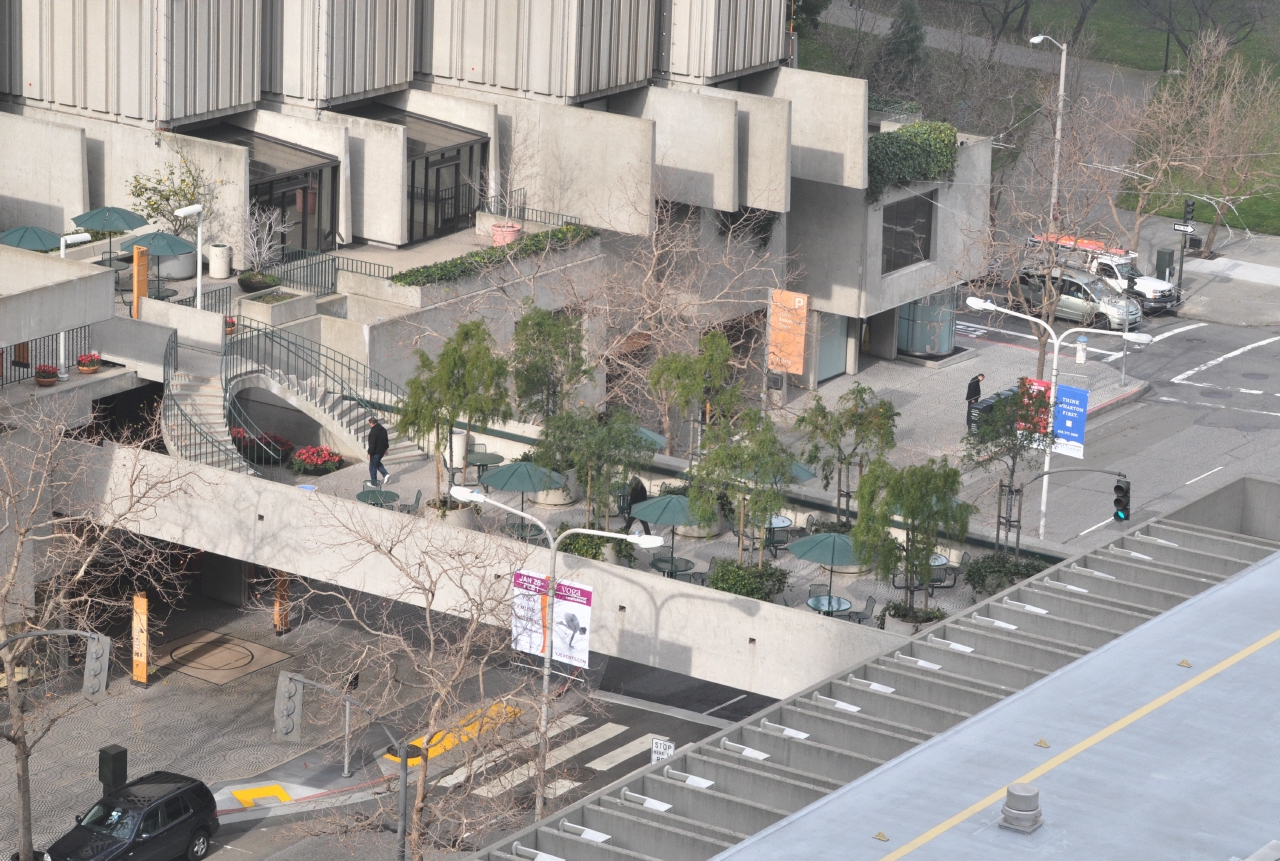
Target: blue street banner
1069	415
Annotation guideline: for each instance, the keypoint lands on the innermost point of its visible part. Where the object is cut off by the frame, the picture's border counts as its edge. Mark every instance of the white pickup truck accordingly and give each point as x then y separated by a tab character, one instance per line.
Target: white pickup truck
1115	267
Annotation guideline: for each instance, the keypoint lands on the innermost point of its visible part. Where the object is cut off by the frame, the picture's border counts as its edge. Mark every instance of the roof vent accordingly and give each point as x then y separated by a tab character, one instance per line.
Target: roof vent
748	752
636	798
1021	808
770	726
1080	569
995	623
532	854
585	833
916	662
690	779
834	703
955	647
870	685
1134	553
1057	584
1018	605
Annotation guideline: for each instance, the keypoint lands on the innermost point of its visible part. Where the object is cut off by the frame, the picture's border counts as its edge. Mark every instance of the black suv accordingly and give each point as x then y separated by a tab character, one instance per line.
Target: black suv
155	818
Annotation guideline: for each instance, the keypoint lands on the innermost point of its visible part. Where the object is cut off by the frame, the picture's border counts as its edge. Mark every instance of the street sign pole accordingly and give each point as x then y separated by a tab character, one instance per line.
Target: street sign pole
1182	252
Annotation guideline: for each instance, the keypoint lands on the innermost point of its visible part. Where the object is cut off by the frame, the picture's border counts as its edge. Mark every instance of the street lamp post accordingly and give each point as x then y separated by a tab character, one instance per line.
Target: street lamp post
649	542
73	239
197	210
1057	132
1136	337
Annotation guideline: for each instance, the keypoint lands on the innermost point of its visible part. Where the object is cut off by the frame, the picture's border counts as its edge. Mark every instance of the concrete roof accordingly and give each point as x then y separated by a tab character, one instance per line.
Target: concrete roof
42	294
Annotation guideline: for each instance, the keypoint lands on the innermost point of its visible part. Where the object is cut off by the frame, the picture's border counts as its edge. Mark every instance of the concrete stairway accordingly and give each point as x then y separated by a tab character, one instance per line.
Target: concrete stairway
195	427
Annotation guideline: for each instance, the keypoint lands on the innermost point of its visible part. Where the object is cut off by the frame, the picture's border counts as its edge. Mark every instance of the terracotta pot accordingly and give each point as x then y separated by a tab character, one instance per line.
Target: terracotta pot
44	384
505	234
82	369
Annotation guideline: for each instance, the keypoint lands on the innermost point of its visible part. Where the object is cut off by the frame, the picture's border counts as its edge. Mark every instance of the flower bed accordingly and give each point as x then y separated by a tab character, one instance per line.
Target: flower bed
316	460
486	258
259	449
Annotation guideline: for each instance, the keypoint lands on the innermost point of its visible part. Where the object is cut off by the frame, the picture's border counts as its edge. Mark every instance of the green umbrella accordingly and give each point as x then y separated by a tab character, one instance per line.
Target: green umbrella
160	243
109	219
668	510
800	472
657	440
31	238
522	476
828	549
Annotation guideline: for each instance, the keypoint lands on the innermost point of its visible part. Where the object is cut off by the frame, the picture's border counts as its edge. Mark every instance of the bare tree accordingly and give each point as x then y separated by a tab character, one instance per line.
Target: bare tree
1002	17
1189	21
264	227
63	505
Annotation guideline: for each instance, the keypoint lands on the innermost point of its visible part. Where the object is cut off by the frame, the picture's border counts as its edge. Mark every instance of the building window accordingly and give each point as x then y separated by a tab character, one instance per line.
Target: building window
908	232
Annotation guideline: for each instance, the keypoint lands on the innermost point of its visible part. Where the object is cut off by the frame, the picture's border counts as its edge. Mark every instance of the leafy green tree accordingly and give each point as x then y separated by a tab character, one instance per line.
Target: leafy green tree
1017	427
759	582
467	380
601	447
902	54
923	498
745	460
547	361
860	426
695	386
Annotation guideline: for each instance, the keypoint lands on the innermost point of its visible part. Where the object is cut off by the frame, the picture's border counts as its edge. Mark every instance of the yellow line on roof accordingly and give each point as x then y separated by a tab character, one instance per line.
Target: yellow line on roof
1080	747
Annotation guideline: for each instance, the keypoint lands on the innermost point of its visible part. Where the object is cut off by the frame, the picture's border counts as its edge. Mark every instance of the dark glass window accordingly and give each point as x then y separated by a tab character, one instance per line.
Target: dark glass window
907	233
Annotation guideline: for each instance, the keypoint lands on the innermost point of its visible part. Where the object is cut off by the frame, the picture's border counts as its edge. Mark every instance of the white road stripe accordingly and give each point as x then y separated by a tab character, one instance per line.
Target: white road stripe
1218	407
559	787
982	330
528	740
519	775
1198	477
1164	335
1209	364
622	754
1099	526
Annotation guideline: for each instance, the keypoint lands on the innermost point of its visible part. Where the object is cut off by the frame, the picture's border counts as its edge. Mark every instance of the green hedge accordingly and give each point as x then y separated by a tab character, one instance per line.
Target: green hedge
761	582
920	152
487	258
998	571
877	102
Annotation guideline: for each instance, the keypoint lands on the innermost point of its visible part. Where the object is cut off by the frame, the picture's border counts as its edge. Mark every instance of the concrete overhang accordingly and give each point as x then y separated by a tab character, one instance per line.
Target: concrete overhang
42	294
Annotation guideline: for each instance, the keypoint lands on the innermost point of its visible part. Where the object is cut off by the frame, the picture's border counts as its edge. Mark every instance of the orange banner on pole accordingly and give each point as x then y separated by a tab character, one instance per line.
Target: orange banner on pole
141	261
788	320
140	638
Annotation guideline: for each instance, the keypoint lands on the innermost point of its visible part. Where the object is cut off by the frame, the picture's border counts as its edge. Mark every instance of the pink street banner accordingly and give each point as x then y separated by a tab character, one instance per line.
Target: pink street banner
570	618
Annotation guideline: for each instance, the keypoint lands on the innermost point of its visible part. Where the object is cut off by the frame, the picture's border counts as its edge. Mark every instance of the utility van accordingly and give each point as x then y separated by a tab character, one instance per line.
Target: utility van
1115	267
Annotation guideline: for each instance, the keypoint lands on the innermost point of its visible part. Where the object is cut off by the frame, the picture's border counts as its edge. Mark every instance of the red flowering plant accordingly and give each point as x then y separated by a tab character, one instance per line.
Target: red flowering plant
315	460
263	448
46	372
88	360
230	322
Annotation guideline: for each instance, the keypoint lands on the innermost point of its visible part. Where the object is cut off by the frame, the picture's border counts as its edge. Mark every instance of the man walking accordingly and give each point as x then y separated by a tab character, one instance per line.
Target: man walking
378	446
974	394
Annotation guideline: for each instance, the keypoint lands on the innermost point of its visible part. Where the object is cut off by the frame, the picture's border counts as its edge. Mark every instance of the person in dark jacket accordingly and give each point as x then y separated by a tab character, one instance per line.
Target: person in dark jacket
378	445
974	394
638	494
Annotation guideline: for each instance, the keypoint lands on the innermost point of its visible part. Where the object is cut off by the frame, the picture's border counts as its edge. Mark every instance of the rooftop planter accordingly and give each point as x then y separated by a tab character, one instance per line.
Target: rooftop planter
920	152
478	262
276	308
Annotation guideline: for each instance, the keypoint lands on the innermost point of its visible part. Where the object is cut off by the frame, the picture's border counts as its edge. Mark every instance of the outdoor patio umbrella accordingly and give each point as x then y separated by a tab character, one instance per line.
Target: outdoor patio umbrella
160	243
669	510
800	472
31	238
522	476
657	440
828	549
109	219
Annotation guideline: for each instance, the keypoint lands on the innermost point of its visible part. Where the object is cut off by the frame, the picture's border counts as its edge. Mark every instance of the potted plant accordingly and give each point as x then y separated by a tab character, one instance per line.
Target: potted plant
46	375
263	228
316	460
263	448
88	363
229	325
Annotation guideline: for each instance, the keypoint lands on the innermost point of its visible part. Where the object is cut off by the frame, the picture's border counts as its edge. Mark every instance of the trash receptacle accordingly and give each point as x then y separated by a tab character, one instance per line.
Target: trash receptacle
1164	264
975	411
219	260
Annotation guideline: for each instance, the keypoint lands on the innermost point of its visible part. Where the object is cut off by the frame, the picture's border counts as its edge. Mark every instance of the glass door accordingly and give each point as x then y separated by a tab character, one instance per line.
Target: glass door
446	185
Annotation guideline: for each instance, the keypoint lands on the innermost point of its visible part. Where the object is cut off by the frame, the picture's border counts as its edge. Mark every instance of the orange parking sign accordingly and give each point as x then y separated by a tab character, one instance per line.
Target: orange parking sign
788	317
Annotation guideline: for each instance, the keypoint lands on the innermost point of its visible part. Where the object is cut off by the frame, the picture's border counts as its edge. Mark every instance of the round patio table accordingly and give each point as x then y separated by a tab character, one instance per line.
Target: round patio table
779	522
937	560
482	460
671	565
164	294
829	604
380	498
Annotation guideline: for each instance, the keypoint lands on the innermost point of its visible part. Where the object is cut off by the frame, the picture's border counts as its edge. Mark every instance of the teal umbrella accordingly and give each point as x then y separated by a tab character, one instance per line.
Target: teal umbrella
160	243
800	472
109	219
657	440
669	510
31	238
523	477
828	549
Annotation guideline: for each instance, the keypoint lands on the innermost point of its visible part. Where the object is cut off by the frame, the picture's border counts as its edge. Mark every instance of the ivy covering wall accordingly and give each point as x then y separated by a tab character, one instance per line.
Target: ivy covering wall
487	258
920	152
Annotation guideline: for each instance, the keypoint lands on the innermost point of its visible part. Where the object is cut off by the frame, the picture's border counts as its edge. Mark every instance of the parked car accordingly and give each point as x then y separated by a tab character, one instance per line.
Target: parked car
158	817
1082	298
1117	267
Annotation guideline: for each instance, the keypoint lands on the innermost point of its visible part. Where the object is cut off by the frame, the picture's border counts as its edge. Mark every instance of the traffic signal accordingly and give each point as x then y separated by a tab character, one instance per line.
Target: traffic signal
97	668
1122	499
1188	210
288	708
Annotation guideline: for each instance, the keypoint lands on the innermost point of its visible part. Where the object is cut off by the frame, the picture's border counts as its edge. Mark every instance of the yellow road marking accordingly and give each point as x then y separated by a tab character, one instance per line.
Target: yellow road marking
472	725
247	797
1070	753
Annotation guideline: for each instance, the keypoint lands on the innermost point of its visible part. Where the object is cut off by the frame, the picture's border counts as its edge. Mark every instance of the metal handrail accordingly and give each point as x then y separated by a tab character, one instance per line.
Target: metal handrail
191	439
216	301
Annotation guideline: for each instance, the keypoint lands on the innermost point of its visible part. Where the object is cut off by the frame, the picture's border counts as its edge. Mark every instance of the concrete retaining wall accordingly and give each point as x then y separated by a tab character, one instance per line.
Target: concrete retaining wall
199	330
46	191
638	616
135	343
377	188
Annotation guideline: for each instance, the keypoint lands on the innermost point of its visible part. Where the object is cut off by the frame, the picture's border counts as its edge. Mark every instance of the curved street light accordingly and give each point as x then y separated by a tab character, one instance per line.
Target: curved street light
1057	132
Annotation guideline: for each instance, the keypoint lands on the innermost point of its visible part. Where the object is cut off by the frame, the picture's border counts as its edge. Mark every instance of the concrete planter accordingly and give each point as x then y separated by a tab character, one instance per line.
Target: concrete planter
176	267
219	260
303	305
505	234
695	531
566	495
463	518
610	554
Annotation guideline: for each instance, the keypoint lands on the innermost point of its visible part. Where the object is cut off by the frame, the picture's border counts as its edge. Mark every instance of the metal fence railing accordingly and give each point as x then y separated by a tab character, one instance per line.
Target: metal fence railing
514	207
181	431
216	301
317	271
18	361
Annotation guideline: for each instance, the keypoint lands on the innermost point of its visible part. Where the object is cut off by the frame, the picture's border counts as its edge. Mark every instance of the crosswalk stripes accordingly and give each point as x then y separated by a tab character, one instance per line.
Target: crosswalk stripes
622	754
458	775
566	751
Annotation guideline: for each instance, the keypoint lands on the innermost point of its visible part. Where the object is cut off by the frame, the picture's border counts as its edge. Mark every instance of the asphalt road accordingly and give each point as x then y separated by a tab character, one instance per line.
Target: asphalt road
1211	416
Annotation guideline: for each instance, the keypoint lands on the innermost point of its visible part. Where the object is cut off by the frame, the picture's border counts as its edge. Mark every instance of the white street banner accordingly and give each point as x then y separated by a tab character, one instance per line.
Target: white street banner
570	623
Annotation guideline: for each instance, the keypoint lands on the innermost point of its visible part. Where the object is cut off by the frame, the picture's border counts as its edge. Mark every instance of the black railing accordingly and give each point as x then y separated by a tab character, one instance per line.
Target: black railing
317	272
181	431
513	206
18	361
215	301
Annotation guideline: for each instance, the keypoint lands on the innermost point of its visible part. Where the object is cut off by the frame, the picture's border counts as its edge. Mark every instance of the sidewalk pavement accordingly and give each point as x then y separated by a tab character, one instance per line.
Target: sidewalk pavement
1240	290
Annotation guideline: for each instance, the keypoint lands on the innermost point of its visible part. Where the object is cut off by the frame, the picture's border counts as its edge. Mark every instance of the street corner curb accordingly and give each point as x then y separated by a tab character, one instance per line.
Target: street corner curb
1120	400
